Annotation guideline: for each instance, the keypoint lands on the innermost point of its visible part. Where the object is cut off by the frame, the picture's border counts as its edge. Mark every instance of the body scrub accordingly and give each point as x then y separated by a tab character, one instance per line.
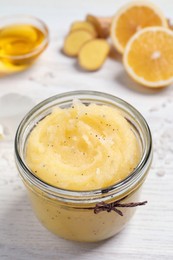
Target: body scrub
83	147
83	163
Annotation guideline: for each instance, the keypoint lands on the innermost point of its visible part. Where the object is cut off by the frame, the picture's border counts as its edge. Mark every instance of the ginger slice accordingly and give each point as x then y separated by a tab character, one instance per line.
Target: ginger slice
102	25
84	25
93	54
74	41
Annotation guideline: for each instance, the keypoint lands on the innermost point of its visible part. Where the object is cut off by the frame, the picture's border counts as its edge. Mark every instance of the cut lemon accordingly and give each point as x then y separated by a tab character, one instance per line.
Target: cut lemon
148	57
133	17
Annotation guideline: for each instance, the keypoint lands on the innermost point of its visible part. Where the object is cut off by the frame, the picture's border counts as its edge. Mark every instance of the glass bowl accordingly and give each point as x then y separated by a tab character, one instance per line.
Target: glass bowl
22	39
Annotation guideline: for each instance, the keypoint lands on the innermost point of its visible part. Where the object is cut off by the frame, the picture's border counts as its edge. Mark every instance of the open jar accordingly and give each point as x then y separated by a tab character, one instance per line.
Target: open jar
84	215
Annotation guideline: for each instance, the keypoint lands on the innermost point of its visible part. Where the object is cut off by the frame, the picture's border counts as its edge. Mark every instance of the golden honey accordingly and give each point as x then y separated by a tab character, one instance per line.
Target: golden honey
20	44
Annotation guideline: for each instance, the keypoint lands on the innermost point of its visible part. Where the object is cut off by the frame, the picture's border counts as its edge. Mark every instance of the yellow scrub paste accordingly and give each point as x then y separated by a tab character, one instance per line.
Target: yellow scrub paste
82	147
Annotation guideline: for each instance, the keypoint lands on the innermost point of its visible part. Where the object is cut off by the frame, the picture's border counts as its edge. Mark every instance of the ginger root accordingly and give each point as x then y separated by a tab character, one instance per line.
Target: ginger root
74	41
93	54
102	25
84	25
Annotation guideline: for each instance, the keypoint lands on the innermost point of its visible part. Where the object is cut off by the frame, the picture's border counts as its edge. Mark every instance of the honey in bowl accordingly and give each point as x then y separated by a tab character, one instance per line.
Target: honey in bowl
20	44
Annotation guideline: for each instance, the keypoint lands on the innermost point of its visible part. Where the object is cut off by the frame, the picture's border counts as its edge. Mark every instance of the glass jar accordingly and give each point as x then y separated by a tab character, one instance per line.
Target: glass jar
72	214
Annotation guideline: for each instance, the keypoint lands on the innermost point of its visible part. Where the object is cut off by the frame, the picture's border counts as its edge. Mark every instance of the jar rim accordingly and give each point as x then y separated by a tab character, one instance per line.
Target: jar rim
116	189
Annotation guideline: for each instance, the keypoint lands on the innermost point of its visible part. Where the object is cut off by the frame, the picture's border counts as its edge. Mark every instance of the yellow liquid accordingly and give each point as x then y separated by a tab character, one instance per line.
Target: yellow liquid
18	40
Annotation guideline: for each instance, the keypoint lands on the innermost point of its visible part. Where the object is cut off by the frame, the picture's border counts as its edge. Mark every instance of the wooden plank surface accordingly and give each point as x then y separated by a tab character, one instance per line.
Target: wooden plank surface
150	233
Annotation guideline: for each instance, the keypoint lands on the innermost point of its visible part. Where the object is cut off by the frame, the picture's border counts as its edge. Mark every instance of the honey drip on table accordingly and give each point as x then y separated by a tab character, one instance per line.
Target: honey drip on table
17	41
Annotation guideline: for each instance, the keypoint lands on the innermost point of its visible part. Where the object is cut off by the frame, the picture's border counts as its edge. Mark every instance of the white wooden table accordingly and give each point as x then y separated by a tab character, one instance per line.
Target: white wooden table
150	234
